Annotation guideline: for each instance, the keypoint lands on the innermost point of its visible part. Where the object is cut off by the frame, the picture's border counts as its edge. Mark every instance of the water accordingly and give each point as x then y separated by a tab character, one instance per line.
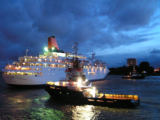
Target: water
27	104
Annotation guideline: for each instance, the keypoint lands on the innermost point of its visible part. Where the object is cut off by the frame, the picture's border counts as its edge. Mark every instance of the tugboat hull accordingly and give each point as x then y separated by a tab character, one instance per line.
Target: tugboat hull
64	94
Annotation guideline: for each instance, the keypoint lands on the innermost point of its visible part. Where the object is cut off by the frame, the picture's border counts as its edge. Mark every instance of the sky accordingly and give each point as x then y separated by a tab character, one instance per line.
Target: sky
114	30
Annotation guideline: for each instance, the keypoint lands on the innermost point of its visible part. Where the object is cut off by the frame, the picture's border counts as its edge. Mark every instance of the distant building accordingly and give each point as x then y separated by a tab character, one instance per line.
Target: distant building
131	62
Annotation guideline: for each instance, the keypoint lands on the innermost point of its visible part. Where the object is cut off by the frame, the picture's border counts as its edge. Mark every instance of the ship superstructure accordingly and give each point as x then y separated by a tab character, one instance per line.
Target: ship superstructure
50	66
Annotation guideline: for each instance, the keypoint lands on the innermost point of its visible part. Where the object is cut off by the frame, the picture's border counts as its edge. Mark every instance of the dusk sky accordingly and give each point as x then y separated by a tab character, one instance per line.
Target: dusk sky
114	29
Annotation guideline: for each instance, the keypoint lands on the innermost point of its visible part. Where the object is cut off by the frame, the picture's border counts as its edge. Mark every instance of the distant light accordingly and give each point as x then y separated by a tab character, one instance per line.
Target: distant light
46	49
52	48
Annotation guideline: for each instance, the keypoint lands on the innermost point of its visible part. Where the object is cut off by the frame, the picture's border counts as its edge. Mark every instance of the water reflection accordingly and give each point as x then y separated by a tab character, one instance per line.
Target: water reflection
73	111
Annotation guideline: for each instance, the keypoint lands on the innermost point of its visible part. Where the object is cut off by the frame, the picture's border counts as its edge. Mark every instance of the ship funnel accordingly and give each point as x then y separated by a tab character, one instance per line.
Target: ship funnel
52	42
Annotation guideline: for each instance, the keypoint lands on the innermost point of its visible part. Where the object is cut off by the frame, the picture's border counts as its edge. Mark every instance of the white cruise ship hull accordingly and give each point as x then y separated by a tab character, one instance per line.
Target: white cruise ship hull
39	80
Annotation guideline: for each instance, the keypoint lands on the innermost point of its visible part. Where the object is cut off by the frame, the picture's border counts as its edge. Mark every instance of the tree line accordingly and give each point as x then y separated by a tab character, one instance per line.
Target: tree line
143	68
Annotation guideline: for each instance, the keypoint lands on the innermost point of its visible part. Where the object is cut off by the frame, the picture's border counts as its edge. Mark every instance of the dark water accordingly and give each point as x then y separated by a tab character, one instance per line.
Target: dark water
35	104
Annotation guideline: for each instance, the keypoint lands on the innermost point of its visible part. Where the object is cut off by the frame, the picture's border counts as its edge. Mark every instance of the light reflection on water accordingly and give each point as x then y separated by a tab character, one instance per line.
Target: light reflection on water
36	103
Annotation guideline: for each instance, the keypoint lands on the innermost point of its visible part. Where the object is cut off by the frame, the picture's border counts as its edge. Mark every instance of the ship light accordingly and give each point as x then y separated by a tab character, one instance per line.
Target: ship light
79	82
50	83
86	80
9	66
52	48
46	49
57	83
93	91
64	83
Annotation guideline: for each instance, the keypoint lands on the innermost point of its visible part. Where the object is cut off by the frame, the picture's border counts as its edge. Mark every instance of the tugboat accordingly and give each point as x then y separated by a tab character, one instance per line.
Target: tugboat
134	75
75	88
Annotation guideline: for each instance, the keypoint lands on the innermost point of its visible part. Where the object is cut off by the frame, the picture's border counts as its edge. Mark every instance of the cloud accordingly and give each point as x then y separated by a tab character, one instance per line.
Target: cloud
157	51
127	15
93	24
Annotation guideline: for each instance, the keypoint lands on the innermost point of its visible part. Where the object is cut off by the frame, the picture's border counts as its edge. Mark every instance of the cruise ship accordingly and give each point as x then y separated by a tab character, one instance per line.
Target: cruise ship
50	66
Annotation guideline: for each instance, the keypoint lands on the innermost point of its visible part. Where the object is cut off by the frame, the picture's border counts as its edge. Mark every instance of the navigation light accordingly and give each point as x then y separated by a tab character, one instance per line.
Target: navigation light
46	49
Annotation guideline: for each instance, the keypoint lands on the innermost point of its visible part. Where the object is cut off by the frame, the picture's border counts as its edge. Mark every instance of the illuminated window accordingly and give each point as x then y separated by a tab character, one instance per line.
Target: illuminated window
28	73
40	69
34	68
91	73
37	68
40	60
40	73
34	73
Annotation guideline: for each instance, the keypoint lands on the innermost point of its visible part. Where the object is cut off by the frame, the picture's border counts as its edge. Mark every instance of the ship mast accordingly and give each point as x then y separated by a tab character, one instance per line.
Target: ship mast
75	48
93	54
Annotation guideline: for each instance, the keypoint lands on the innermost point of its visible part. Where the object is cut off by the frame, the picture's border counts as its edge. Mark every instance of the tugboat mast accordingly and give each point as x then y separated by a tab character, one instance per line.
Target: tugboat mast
75	48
